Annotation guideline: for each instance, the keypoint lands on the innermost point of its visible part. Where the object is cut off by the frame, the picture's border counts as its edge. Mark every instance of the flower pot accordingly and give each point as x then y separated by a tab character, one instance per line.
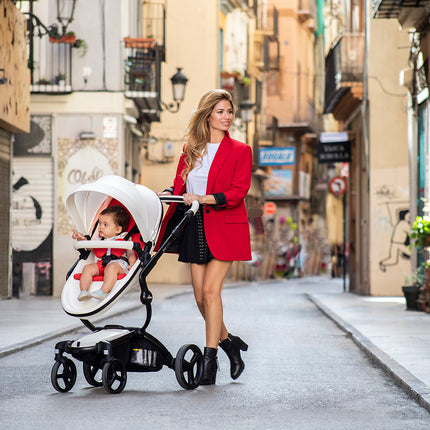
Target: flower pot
412	294
69	38
139	42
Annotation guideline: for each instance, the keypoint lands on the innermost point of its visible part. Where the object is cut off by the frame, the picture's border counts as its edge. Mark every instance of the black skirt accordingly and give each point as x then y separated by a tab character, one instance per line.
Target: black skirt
194	247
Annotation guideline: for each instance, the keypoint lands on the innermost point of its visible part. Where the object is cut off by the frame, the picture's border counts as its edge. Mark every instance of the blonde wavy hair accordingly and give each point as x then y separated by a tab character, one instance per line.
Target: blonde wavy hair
198	133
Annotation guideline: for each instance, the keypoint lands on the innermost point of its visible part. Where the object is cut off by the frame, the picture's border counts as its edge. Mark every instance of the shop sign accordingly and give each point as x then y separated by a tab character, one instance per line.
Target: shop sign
277	156
334	148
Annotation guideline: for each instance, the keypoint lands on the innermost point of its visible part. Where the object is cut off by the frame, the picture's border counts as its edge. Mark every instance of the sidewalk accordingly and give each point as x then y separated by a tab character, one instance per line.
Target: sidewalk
397	340
31	320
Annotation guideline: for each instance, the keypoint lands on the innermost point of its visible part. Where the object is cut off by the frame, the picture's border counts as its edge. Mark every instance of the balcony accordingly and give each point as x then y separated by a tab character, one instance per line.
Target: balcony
50	64
266	42
142	76
344	76
306	10
410	13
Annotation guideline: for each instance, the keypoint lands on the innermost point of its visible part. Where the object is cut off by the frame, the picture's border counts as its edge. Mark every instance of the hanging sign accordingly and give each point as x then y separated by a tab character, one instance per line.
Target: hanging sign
334	148
337	185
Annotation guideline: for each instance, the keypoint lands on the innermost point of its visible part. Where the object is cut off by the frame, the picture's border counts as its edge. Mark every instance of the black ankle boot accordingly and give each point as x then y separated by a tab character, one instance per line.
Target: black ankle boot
209	366
232	346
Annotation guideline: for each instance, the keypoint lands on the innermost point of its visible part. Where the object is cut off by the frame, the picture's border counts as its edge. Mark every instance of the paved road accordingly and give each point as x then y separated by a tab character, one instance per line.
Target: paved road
302	372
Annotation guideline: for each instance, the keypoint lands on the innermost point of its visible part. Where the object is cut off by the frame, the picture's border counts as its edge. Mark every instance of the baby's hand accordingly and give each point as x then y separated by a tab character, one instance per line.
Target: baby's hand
78	236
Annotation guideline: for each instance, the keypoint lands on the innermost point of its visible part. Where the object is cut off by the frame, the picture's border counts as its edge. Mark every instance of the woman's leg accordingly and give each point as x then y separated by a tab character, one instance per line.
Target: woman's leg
198	272
209	283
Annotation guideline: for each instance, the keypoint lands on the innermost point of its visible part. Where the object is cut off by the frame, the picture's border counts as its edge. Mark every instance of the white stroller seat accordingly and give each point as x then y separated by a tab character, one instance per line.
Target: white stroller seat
84	205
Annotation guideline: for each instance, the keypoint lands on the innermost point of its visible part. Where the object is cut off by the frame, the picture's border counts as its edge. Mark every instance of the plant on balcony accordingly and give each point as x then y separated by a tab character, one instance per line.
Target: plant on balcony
245	81
82	45
69	38
44	81
225	75
60	79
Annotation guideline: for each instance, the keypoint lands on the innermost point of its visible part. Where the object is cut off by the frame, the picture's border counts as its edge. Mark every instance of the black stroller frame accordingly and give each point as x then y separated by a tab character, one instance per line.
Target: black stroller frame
127	349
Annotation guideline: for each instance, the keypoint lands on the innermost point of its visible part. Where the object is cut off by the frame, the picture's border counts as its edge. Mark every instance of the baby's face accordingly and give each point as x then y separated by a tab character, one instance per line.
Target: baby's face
107	226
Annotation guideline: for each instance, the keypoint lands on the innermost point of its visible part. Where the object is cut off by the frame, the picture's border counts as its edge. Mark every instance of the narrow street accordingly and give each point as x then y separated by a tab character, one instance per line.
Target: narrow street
302	372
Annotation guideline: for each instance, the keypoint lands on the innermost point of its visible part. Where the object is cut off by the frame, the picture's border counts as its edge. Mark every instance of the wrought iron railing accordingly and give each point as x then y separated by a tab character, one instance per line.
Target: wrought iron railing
344	64
142	75
50	64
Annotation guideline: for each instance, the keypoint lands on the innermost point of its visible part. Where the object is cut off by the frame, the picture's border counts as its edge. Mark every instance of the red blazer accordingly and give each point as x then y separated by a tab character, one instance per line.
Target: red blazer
226	226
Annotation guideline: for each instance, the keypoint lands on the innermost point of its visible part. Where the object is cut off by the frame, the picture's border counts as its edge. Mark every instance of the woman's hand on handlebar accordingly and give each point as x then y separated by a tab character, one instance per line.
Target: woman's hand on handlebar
190	197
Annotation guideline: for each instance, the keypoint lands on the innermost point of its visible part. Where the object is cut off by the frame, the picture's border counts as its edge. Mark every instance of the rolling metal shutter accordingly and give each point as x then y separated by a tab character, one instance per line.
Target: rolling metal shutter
32	215
5	148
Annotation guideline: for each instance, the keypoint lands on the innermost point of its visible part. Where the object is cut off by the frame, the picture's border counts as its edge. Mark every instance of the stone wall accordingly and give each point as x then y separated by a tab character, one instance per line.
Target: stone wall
15	94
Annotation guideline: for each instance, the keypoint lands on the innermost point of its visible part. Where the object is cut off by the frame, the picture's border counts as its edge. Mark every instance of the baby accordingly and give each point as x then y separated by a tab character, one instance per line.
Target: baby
113	222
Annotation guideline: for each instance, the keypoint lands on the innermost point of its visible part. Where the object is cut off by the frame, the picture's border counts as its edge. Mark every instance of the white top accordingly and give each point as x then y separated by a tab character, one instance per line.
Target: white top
197	179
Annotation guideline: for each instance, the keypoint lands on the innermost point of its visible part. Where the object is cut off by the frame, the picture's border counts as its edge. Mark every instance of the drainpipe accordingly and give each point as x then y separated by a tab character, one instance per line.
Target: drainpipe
364	265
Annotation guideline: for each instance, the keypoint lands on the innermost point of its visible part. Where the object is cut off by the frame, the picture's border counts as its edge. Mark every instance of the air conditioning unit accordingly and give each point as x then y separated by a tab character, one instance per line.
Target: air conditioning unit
169	149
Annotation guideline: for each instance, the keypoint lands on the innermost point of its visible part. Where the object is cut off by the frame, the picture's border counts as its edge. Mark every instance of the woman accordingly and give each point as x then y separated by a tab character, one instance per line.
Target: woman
216	171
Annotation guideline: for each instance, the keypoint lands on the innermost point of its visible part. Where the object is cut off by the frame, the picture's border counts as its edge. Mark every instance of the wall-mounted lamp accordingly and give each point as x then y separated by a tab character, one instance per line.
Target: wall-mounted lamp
3	80
246	110
179	82
87	135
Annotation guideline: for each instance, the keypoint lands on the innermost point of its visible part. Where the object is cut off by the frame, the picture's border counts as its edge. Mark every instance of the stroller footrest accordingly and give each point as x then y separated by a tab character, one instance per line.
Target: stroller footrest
98	277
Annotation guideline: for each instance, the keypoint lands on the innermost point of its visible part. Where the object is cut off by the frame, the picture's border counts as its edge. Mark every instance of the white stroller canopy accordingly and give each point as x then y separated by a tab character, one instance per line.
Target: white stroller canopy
86	202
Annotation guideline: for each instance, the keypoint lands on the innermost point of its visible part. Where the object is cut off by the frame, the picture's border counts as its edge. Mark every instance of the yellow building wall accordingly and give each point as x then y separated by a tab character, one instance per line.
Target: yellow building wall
290	90
195	48
15	93
388	158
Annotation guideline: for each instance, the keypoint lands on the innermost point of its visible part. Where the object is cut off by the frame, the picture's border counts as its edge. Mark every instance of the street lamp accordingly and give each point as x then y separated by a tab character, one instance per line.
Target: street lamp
246	110
179	82
65	13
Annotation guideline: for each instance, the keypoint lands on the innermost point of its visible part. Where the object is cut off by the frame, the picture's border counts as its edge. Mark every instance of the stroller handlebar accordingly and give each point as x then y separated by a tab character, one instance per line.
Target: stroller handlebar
194	208
118	244
180	199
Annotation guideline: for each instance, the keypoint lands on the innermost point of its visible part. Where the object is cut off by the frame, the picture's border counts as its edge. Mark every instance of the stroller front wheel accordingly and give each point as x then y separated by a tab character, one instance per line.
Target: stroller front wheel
114	376
63	375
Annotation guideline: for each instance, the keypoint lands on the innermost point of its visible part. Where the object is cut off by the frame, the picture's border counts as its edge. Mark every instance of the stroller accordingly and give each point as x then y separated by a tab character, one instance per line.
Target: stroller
109	352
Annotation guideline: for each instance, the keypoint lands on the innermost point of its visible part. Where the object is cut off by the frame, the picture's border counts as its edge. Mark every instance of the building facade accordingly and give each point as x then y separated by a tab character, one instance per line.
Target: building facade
86	122
14	118
364	98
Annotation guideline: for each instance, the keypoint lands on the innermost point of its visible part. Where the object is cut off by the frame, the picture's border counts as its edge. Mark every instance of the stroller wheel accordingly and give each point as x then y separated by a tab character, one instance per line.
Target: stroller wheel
63	375
114	376
93	375
189	366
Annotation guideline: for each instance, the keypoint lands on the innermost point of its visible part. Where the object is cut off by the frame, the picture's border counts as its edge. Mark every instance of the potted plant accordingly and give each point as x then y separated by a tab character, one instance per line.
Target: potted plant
82	46
44	81
412	289
420	232
60	79
69	38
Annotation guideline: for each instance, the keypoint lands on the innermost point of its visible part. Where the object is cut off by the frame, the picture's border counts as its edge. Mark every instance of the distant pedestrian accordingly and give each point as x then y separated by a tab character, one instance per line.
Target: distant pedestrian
215	170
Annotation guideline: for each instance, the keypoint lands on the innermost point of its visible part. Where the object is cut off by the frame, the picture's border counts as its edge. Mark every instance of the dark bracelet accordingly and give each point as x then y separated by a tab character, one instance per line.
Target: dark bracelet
170	190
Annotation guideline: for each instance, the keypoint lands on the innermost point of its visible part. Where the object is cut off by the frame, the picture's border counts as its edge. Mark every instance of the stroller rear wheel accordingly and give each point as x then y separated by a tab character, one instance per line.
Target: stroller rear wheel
93	375
63	375
189	366
114	376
